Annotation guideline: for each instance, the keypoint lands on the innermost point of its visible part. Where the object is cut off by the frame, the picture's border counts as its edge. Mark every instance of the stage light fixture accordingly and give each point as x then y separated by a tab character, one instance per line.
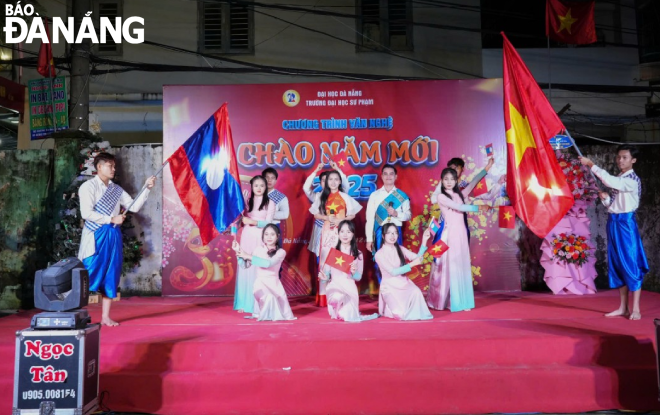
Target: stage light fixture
61	290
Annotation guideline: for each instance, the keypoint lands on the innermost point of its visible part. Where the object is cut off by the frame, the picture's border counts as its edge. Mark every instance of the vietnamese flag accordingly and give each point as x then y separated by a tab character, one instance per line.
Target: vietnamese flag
45	63
480	189
206	177
342	161
339	260
438	248
535	183
570	21
507	217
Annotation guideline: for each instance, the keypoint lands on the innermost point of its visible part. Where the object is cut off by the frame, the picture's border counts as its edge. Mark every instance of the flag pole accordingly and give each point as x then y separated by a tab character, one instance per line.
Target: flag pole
145	186
549	74
580	154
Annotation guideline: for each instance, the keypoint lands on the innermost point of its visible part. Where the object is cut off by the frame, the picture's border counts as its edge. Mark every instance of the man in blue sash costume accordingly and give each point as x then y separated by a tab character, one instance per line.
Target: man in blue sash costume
625	253
386	205
280	200
101	248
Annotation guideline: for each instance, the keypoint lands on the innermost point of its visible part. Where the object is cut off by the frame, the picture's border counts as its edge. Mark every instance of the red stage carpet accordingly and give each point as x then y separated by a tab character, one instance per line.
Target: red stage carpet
516	352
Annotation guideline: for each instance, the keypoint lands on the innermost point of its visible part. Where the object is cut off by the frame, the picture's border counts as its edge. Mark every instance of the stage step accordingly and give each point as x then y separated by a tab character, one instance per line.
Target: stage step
432	390
199	354
161	384
393	354
387	391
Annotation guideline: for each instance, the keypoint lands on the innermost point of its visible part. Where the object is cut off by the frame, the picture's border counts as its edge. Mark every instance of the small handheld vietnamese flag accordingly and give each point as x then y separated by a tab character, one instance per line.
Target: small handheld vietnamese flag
434	226
480	189
507	217
438	249
341	159
489	150
339	260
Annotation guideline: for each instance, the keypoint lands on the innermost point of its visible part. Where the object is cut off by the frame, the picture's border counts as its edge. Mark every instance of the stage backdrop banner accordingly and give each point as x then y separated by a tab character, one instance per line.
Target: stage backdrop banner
416	126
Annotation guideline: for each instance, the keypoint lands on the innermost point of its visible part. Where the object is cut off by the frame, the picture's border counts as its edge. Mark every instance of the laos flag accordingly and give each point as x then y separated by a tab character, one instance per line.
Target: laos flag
206	177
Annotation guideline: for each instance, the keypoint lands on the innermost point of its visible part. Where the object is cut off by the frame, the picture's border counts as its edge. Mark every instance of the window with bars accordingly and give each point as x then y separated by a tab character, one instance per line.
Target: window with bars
384	24
110	9
225	28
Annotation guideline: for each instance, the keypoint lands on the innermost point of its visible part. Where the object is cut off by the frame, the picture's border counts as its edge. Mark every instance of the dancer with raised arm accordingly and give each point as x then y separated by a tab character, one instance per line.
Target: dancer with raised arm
101	248
314	244
451	274
400	298
625	252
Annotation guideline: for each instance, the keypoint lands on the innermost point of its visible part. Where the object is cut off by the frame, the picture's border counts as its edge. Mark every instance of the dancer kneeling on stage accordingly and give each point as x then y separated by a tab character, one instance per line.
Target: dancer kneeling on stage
270	300
101	247
451	274
260	212
341	291
399	297
625	253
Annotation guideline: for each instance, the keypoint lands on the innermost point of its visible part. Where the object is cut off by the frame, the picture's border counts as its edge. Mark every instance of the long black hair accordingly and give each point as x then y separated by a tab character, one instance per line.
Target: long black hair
321	177
278	244
264	200
351	227
399	252
326	189
456	189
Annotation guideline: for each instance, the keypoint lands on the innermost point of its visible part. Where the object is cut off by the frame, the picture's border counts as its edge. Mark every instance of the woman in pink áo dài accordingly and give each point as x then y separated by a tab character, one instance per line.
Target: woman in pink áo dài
270	300
341	291
260	211
451	274
399	297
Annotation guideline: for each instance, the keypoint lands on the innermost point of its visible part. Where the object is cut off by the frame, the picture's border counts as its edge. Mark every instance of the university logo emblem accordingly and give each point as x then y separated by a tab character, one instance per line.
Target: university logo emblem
291	98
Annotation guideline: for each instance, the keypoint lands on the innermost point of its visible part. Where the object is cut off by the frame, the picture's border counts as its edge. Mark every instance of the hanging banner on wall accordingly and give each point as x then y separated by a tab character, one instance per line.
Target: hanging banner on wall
42	103
416	126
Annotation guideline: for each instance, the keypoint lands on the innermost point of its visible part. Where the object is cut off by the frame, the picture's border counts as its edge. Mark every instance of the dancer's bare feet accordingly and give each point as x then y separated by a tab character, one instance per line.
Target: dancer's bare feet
107	321
617	313
635	315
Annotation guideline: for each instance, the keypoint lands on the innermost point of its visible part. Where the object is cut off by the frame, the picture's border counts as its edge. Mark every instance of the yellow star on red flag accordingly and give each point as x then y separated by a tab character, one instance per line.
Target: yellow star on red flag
566	22
520	134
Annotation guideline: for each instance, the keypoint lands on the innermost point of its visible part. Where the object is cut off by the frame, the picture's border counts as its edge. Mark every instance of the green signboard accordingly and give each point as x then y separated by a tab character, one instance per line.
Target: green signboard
42	102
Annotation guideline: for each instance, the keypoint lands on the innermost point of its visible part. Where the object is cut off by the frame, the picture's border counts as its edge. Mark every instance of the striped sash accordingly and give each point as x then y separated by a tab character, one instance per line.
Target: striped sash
106	204
276	196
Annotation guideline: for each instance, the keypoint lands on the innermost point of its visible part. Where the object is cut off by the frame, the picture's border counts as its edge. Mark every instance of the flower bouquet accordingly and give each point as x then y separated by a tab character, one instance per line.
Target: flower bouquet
571	249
